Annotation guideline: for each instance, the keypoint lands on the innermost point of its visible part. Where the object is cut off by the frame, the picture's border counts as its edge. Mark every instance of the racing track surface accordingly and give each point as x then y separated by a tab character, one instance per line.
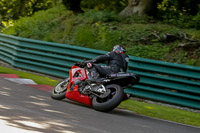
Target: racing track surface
24	109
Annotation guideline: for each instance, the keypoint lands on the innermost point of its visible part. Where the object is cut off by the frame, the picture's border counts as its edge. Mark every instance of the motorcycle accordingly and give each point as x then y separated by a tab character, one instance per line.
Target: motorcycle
103	94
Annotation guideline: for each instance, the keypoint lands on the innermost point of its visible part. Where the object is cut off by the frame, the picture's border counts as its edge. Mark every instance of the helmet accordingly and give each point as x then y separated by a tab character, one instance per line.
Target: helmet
119	48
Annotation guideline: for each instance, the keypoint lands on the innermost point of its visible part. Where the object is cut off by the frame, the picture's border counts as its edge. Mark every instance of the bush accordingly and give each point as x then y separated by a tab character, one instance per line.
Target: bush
155	51
183	21
138	19
84	36
102	16
184	14
37	26
196	21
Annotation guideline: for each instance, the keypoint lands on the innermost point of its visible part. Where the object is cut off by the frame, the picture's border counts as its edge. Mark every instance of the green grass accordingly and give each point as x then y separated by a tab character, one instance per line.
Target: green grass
162	112
37	78
147	109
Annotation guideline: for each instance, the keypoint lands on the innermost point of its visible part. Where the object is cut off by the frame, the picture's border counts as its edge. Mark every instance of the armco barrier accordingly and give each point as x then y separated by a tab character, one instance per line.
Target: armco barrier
162	81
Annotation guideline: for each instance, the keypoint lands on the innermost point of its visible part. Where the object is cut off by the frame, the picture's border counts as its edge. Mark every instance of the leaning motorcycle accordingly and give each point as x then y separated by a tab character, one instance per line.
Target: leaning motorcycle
103	94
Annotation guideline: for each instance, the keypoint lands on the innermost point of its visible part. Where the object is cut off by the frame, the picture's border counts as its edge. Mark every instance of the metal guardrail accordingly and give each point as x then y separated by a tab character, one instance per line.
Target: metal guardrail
161	81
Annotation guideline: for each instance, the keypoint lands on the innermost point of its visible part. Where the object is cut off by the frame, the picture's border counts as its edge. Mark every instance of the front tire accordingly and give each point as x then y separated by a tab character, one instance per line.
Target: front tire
110	102
60	90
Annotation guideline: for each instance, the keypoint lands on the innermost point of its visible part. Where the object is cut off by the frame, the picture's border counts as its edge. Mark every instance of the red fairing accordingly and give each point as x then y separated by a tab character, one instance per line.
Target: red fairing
73	93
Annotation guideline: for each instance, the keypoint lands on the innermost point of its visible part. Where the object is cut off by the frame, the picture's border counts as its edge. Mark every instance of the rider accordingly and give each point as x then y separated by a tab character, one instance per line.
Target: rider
117	61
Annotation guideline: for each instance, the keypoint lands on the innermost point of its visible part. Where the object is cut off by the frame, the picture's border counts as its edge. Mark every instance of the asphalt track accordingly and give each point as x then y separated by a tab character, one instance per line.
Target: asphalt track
24	109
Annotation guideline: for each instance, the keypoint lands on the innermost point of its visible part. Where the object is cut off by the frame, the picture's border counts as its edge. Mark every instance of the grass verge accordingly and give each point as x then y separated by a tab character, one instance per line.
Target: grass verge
147	109
38	79
162	112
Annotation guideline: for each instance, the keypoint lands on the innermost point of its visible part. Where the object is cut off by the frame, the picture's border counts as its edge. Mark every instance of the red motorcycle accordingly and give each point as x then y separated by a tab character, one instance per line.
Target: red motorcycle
103	94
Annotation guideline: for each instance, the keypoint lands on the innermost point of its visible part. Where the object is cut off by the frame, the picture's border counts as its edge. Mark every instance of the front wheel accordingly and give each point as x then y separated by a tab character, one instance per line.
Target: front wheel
111	101
60	90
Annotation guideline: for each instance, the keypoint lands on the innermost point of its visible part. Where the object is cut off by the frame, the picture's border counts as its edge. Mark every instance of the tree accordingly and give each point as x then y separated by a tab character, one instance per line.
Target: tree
13	9
112	5
20	8
140	7
77	6
190	7
74	5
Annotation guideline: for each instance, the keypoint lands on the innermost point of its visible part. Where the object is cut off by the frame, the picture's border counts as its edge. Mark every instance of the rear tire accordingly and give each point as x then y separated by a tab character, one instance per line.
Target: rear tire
60	90
110	102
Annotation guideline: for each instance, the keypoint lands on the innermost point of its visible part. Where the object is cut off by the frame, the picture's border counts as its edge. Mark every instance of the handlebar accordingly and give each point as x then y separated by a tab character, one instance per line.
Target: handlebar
83	64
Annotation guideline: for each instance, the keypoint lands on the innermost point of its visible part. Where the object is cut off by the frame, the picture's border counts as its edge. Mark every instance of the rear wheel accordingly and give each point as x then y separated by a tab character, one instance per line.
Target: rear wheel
60	90
110	102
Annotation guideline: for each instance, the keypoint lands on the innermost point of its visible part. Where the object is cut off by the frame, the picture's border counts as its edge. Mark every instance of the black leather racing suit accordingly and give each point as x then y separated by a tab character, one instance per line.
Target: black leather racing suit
116	62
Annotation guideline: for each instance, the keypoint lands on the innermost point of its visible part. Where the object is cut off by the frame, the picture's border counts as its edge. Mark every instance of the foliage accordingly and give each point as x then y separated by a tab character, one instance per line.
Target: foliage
179	7
73	5
165	6
37	26
85	5
196	21
84	36
13	9
184	21
184	14
112	5
177	12
96	16
138	19
156	51
143	36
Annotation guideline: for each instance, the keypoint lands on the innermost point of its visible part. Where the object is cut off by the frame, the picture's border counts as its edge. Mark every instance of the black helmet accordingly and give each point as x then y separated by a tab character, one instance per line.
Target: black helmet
119	48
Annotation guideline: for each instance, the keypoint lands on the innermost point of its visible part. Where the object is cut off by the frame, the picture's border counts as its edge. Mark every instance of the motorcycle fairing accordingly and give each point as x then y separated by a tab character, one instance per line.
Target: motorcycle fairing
72	90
